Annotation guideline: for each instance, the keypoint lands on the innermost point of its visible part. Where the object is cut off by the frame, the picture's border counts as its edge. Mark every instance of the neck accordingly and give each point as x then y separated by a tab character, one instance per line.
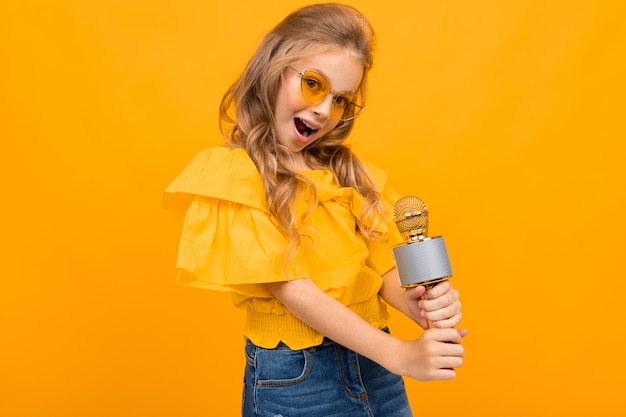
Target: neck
300	163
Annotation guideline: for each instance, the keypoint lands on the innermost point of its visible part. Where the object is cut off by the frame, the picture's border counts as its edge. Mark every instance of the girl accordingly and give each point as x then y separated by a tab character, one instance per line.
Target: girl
289	221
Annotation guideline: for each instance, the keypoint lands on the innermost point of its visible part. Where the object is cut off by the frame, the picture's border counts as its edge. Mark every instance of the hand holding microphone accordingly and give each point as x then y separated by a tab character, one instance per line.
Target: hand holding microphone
423	260
420	260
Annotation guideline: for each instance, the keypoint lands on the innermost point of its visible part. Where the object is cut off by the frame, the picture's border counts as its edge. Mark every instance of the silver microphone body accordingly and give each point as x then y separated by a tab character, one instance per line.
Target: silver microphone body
423	262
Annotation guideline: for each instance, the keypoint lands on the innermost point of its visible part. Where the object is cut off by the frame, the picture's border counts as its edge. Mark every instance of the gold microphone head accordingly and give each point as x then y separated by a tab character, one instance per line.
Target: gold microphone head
411	218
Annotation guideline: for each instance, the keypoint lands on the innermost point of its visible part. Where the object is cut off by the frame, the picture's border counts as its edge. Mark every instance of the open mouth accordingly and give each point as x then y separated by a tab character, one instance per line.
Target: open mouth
303	128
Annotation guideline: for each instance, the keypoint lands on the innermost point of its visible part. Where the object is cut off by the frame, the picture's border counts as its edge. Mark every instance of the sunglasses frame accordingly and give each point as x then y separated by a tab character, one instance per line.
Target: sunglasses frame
331	92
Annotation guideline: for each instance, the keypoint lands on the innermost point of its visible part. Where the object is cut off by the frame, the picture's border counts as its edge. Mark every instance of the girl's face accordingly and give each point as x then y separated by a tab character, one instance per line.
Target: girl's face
300	123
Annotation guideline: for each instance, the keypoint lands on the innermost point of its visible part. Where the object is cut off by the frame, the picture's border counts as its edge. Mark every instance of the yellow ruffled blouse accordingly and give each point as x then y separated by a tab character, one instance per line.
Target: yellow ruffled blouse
230	242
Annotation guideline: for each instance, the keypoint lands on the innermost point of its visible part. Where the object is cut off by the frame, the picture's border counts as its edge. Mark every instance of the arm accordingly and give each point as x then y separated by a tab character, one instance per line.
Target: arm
440	306
428	358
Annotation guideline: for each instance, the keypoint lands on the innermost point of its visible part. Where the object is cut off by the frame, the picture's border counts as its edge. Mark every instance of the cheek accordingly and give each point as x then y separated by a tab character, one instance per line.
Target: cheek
330	127
292	95
285	103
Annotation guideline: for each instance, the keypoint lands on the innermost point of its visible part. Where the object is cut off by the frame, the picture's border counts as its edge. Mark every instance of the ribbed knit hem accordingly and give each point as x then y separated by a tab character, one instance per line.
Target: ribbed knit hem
267	330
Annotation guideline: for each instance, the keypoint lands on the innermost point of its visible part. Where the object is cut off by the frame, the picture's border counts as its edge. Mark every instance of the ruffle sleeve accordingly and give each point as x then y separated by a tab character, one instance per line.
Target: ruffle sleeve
228	241
223	173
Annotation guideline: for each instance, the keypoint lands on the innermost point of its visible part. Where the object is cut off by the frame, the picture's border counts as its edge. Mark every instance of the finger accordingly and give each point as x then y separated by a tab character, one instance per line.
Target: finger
452	350
444	374
447	323
439	289
415	293
443	335
445	313
446	299
449	362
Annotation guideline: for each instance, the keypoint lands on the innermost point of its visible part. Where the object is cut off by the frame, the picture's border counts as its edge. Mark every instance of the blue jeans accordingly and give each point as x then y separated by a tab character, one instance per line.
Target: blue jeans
326	380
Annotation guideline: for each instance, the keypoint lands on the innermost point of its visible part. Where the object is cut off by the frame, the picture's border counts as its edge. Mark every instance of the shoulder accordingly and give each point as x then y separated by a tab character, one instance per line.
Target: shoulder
222	160
222	173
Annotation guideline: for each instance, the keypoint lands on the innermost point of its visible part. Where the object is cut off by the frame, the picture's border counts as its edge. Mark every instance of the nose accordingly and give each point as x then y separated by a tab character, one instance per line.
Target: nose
325	107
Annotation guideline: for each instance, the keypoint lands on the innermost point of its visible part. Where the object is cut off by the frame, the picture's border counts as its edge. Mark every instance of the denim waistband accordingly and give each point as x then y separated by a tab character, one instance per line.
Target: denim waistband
325	342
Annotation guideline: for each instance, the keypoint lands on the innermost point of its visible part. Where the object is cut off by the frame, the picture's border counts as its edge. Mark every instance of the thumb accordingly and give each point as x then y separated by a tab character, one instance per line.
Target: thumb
415	293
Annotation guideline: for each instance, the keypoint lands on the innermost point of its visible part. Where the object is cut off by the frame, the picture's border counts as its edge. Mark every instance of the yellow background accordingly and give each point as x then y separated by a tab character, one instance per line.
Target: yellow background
506	117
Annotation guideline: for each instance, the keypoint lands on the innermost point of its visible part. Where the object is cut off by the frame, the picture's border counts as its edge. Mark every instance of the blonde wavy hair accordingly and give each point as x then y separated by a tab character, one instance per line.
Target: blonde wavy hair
247	114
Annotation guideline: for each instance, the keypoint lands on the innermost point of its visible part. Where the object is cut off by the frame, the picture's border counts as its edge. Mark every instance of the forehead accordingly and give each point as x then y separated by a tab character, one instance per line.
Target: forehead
341	67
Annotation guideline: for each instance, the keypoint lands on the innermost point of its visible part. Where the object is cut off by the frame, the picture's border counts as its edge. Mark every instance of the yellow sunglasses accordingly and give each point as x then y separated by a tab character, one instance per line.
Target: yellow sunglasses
315	88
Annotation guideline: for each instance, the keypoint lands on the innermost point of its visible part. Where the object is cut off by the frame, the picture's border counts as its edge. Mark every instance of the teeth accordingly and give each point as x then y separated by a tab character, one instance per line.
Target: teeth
308	125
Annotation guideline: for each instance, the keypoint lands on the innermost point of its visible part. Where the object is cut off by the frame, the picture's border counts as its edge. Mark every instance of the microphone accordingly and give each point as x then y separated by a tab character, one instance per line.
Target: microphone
420	260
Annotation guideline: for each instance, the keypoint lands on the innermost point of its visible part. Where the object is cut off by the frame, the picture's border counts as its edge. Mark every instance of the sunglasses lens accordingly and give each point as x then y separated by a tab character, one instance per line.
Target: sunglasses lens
315	88
348	106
